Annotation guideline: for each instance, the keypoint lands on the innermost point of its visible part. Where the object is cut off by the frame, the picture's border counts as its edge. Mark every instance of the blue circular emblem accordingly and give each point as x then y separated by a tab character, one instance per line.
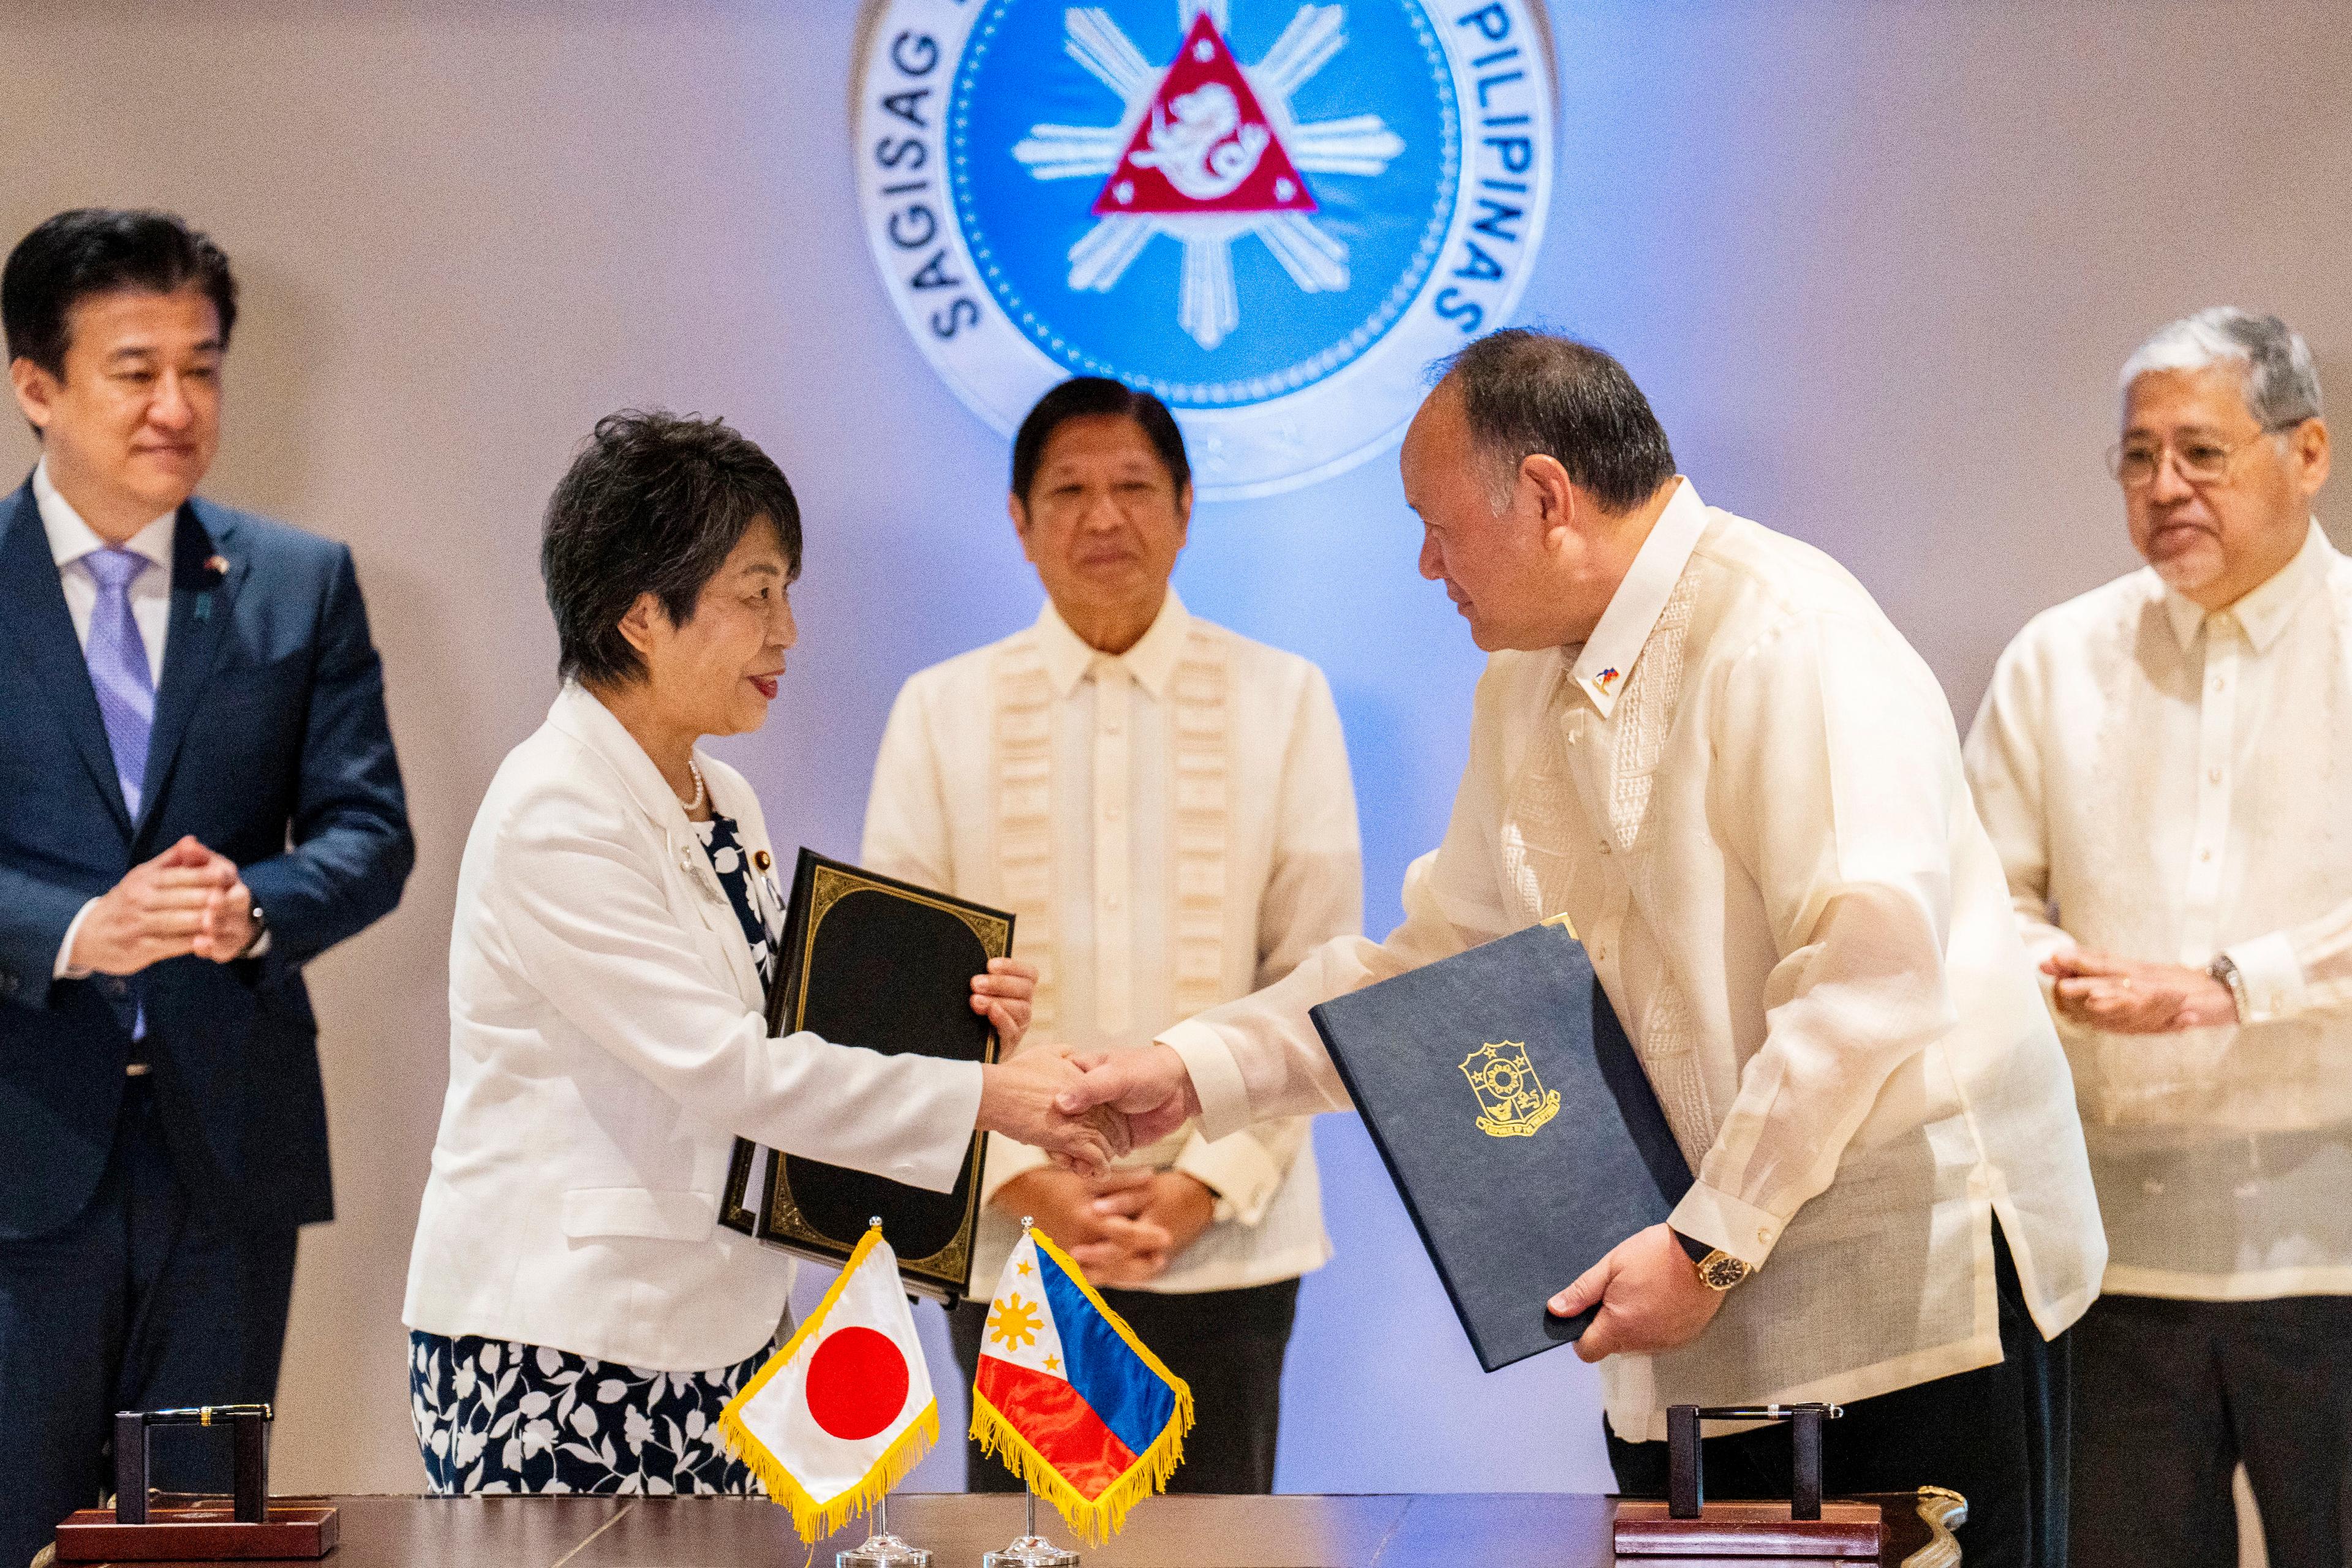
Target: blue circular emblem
1271	214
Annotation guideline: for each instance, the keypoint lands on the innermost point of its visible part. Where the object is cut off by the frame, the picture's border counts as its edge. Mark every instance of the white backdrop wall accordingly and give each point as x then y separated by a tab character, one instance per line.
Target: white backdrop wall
1874	263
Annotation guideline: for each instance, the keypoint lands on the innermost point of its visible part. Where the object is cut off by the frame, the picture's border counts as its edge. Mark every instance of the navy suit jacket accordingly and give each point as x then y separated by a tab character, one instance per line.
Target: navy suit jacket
270	745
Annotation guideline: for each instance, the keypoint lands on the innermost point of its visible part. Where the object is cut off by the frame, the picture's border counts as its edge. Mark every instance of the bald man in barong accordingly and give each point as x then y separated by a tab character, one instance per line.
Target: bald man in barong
1704	743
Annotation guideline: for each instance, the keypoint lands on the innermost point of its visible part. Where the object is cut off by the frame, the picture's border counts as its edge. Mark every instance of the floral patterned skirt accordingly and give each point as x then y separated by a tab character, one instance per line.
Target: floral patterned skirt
496	1417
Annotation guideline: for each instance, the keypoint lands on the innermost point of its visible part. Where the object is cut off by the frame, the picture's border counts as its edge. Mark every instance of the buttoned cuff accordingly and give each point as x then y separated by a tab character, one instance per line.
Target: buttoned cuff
1216	1076
1713	1216
64	969
1006	1159
2273	978
1238	1170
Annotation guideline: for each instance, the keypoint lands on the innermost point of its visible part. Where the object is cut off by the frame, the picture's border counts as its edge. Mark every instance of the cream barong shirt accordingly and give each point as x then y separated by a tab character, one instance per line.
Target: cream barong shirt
2167	784
1173	827
1745	791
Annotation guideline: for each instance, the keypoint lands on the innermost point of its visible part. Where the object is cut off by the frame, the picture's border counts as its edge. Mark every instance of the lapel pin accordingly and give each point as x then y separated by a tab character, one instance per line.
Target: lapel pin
1606	679
214	572
763	861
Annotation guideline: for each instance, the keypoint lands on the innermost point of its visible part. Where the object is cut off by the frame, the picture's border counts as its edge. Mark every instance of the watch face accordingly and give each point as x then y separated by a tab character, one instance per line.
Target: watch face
1723	1272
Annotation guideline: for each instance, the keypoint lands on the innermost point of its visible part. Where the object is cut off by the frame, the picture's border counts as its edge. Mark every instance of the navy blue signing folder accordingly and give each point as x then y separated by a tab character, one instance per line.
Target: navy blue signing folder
1516	1123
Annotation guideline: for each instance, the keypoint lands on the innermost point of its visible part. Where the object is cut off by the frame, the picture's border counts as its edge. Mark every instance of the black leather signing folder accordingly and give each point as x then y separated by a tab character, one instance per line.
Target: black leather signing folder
1517	1122
867	960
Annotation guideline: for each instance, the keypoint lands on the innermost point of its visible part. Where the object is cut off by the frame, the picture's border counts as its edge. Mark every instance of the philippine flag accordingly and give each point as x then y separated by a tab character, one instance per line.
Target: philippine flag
841	1414
1069	1399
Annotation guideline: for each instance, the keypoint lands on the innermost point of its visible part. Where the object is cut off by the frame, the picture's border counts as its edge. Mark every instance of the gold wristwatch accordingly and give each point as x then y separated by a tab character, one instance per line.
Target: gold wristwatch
1718	1270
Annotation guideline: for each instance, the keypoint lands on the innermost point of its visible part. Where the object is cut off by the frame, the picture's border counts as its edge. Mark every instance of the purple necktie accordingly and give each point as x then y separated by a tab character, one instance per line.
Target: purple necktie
118	668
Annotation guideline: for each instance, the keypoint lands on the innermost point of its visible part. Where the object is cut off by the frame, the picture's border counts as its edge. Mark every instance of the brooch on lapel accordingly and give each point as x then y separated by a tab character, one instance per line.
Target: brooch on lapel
762	861
1606	679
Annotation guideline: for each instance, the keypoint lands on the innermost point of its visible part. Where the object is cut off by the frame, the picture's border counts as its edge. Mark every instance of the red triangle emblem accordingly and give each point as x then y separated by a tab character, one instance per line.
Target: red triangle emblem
1206	144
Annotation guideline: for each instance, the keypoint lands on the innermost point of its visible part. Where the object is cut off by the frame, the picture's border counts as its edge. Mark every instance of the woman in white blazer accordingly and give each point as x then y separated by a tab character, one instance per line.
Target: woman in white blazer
578	1317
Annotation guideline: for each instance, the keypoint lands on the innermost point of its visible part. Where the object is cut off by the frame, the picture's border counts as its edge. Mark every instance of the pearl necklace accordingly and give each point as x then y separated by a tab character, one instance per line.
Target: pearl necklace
701	793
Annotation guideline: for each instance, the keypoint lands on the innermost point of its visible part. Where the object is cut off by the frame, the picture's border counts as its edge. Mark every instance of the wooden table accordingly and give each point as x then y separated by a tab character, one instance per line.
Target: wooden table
1437	1531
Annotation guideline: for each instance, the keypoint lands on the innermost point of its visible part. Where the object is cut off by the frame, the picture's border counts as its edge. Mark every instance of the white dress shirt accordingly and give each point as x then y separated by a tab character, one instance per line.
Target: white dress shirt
2162	783
71	540
1745	792
1173	827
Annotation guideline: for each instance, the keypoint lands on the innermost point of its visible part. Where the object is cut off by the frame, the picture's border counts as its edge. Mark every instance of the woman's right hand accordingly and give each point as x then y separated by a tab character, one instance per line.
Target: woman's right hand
1017	1099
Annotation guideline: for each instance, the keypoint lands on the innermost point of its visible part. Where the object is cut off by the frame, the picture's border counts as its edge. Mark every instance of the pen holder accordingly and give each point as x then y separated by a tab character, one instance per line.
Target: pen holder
1687	1525
136	1529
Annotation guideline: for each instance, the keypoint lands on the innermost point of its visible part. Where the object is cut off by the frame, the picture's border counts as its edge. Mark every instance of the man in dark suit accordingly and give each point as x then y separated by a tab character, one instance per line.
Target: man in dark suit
197	795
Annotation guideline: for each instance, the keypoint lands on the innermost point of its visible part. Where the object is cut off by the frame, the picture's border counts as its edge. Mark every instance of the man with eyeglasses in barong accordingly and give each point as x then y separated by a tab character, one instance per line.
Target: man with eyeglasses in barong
2162	765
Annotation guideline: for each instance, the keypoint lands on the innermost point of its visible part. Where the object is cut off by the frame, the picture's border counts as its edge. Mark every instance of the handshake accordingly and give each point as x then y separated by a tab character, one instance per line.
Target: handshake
1085	1109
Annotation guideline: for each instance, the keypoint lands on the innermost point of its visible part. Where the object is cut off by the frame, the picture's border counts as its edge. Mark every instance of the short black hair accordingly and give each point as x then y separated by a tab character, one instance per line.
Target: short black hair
654	503
1527	392
1083	395
102	250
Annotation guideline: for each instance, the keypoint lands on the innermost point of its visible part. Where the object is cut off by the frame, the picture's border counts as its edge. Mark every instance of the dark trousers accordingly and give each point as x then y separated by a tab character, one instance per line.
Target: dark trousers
1997	1435
142	1303
1226	1344
2173	1395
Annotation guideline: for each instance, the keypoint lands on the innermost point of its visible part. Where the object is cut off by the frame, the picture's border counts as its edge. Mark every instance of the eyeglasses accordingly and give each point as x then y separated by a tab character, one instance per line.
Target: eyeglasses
2135	465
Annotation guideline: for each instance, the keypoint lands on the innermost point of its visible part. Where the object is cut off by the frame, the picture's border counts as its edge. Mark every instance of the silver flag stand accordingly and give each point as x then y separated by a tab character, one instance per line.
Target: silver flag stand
882	1549
1033	1549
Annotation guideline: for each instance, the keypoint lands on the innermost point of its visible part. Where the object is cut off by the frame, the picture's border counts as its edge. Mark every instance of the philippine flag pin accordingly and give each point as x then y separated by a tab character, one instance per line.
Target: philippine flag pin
1606	679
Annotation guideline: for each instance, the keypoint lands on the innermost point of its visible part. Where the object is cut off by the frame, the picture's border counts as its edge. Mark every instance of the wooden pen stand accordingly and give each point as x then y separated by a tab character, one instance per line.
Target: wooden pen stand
1804	1528
243	1526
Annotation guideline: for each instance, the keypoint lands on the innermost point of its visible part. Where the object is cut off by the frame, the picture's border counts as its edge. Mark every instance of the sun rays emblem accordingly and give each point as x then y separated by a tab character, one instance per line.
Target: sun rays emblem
1272	215
1205	151
1014	1323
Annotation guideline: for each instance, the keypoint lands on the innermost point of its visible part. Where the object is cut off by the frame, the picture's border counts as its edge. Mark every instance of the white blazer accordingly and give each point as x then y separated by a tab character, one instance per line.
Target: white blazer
608	1043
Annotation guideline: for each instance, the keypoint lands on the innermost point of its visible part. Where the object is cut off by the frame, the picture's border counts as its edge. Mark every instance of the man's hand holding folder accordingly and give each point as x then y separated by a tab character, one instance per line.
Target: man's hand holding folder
1649	1295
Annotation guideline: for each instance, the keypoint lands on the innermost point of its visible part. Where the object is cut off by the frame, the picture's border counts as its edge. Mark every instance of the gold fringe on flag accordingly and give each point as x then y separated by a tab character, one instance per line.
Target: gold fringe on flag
1094	1520
815	1518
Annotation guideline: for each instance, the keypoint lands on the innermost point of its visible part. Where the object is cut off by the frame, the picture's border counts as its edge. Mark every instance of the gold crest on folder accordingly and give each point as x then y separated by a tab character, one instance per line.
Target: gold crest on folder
1512	1097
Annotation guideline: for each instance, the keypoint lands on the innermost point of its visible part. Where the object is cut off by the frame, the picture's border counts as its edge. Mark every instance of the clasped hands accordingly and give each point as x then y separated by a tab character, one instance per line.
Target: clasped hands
2127	996
1123	1226
186	900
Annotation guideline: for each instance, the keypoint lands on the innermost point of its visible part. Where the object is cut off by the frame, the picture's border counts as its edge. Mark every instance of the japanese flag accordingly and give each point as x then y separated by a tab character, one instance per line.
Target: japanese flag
841	1414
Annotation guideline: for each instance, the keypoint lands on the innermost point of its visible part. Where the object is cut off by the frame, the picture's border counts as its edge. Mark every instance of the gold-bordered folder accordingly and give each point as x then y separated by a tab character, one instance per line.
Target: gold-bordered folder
867	959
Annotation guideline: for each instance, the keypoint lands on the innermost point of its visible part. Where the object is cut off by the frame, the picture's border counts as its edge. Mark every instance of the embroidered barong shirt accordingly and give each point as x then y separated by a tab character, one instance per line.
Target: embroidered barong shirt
1172	828
1745	792
2162	783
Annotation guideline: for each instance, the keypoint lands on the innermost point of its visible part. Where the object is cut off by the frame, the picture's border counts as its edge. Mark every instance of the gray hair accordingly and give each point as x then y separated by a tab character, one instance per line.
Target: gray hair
2282	387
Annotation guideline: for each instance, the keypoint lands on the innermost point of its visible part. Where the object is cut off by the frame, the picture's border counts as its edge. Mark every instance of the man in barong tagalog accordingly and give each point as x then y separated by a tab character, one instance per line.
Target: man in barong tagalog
2156	762
1703	742
1167	807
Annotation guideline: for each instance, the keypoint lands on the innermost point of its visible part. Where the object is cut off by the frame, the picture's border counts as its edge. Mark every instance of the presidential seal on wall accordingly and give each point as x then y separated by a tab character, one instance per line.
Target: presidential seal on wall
1274	215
